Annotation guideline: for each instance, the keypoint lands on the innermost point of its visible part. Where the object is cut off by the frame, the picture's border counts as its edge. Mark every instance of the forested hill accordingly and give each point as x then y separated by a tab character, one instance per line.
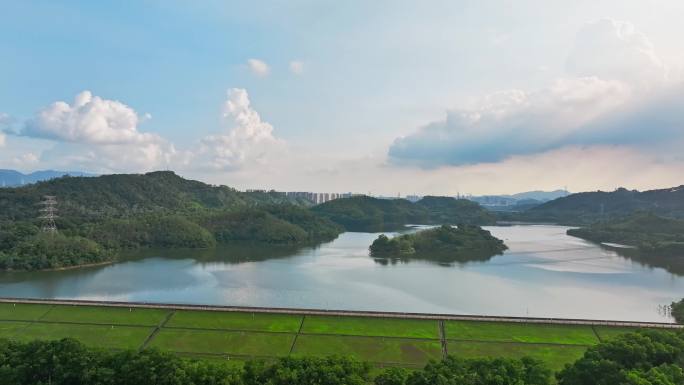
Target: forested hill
127	194
588	207
99	217
364	213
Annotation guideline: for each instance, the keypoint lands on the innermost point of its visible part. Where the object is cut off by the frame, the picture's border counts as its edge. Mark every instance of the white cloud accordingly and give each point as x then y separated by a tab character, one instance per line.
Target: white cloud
99	135
89	119
615	94
248	139
512	122
3	139
258	67
612	49
297	67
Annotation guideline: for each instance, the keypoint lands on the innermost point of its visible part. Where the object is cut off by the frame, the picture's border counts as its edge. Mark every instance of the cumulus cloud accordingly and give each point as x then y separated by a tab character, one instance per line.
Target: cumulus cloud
297	67
258	67
247	139
3	139
99	134
89	119
613	95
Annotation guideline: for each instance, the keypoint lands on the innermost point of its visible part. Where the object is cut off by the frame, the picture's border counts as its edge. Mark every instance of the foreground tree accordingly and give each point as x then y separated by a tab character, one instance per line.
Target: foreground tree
647	357
678	311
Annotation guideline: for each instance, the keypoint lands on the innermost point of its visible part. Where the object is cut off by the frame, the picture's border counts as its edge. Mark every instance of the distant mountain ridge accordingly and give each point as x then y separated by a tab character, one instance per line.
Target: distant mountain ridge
588	207
13	178
518	202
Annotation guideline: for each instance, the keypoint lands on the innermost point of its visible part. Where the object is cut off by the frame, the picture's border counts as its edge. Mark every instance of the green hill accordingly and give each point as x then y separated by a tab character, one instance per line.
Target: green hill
100	216
654	240
442	244
589	207
647	232
363	213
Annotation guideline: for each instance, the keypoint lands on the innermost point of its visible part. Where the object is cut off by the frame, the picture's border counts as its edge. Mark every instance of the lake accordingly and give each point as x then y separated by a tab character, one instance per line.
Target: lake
545	273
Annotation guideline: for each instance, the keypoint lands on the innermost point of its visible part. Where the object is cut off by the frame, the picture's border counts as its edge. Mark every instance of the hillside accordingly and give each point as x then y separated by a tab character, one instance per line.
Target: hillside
127	194
654	240
588	207
363	213
645	231
100	216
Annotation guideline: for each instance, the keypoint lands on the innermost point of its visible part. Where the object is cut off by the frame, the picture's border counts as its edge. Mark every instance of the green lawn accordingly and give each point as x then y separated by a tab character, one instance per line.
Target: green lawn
224	342
236	321
372	349
8	329
359	326
106	315
608	332
235	336
555	356
514	332
101	336
22	312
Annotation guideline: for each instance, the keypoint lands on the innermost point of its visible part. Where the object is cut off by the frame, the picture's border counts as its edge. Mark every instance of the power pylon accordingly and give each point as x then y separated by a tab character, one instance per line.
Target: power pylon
49	213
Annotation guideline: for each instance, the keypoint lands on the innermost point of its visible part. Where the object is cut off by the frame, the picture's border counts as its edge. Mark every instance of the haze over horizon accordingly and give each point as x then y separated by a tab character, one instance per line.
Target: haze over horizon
483	97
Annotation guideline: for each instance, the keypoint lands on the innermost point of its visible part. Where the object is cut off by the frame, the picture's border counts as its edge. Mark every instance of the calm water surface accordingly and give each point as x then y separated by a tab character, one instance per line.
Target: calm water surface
544	273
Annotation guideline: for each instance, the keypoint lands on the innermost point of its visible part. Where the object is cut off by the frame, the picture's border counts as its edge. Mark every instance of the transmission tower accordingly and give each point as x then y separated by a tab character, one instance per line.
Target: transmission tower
49	213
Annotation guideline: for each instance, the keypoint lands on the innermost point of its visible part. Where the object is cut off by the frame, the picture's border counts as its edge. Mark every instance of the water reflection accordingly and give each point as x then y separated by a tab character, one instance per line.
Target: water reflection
544	273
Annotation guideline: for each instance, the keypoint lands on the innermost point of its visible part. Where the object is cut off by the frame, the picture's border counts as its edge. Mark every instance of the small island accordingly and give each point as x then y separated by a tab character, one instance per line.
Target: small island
445	244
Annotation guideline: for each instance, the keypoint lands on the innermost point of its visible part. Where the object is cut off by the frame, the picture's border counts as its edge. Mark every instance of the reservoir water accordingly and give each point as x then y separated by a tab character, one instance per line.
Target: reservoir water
545	273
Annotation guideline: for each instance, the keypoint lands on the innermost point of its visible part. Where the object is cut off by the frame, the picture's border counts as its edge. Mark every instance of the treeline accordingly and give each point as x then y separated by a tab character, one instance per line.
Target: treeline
101	216
442	244
363	213
24	247
649	233
646	357
589	207
68	362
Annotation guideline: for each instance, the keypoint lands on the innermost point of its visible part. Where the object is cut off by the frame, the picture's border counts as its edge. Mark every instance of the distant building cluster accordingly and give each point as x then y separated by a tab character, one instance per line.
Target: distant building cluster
317	198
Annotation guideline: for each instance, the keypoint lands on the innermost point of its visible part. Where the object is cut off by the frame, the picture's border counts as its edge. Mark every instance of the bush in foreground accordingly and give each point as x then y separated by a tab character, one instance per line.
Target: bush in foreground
647	357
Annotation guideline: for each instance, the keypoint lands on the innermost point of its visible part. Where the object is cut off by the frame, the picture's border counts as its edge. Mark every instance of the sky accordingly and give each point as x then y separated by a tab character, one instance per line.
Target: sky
381	97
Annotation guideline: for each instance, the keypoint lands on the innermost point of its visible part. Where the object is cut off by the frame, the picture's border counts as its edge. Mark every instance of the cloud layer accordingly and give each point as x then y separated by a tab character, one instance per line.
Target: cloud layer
615	94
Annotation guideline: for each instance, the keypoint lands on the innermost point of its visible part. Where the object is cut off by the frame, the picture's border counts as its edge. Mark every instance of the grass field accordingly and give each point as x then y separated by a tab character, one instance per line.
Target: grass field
371	349
555	356
236	321
238	336
514	332
382	327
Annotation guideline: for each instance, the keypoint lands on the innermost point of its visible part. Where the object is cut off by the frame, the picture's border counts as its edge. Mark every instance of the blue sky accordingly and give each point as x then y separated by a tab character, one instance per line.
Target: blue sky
383	96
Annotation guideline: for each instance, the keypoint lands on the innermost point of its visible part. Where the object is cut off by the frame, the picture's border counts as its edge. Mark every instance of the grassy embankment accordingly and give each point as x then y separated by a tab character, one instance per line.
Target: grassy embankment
237	336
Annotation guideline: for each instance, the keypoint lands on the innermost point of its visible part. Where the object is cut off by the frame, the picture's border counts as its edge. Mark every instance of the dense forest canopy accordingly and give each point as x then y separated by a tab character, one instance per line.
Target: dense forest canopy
100	216
443	244
363	213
